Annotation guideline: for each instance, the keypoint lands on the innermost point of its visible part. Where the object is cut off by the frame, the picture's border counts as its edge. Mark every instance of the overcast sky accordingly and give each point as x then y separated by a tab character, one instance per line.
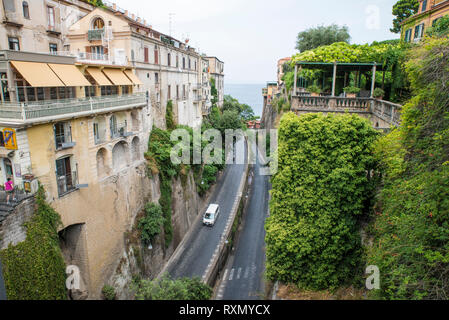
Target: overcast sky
251	35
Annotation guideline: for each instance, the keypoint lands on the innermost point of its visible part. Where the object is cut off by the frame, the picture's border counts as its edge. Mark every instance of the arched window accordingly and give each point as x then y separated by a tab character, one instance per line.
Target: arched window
102	167
26	10
135	149
120	156
98	24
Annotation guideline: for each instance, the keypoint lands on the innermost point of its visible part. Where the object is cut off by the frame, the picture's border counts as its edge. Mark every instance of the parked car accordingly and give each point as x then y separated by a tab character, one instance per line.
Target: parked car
211	215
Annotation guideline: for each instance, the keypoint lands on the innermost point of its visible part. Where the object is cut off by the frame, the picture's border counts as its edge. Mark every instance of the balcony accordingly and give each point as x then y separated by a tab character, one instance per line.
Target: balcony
121	131
40	111
13	19
95	35
54	29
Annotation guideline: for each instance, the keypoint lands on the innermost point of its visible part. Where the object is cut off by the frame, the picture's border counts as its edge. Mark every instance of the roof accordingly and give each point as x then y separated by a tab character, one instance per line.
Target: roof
431	10
212	208
207	57
362	66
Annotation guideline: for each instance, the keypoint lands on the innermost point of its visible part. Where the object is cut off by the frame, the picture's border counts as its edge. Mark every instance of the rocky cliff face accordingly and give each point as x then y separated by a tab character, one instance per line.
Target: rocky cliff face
269	115
147	262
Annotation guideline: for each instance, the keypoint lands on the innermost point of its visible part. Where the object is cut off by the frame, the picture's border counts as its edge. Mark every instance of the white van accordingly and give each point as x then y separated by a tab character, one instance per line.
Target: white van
211	215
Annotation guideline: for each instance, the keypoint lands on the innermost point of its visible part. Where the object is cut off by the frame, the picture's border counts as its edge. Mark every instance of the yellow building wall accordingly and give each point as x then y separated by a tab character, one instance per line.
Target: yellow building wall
106	208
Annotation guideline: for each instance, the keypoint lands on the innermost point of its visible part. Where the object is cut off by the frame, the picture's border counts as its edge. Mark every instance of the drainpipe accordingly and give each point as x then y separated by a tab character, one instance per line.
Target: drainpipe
2	285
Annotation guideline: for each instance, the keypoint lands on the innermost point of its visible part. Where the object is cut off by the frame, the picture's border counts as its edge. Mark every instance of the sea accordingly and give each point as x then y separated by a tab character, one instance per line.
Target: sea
250	94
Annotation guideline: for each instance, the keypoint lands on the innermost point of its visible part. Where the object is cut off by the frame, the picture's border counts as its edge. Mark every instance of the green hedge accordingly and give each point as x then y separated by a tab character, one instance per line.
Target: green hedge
35	268
411	225
319	193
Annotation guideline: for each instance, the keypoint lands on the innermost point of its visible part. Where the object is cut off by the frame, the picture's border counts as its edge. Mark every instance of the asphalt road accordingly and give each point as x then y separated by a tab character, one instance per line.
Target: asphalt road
200	247
243	277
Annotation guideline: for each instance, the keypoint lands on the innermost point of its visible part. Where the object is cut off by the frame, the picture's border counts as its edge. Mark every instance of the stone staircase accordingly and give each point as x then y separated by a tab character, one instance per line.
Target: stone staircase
7	208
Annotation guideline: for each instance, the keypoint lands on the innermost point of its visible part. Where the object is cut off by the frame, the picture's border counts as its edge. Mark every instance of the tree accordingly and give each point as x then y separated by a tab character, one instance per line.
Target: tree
322	36
402	10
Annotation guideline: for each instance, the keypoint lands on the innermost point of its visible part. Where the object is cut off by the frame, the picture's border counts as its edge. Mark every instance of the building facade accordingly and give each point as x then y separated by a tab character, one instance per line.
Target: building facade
168	68
216	71
413	29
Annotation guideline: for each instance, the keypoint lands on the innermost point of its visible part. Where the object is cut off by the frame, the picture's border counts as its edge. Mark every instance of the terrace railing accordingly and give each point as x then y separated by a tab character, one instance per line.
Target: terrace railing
23	112
385	110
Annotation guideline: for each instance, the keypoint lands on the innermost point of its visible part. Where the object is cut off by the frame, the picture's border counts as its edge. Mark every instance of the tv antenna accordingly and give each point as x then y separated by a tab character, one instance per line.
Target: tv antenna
170	23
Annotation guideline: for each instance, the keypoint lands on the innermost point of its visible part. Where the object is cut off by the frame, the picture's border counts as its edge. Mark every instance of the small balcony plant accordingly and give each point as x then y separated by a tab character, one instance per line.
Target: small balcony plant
378	93
351	92
314	90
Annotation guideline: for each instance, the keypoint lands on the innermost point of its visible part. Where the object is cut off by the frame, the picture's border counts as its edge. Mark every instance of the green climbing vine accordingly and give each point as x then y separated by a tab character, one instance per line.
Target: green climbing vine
35	268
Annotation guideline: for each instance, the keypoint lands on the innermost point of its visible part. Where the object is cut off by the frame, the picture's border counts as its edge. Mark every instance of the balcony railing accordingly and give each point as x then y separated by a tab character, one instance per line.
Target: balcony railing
34	111
67	183
96	34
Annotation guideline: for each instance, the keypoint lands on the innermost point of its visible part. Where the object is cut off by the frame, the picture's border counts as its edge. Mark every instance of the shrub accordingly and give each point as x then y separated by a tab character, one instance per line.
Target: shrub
150	225
352	90
314	89
108	292
169	289
319	193
378	92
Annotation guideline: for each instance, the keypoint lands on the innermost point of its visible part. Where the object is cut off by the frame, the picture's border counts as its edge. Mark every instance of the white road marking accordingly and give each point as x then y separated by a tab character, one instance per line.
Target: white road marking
231	276
239	273
246	273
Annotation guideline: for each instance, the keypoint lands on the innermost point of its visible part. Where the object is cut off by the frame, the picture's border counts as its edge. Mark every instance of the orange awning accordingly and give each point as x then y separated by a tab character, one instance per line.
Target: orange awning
99	77
70	75
117	77
130	74
37	74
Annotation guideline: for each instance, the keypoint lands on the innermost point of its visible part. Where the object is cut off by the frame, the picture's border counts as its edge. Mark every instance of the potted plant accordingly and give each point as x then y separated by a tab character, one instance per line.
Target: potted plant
378	93
351	92
314	90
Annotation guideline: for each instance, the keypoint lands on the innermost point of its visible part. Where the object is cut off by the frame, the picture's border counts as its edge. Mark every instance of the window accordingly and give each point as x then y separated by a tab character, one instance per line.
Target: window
97	53
183	63
190	64
98	24
14	44
9	5
51	17
177	62
434	22
4	91
53	48
63	135
419	31
169	60
424	6
169	93
66	179
113	127
156	78
146	55
156	56
408	35
183	91
26	10
177	92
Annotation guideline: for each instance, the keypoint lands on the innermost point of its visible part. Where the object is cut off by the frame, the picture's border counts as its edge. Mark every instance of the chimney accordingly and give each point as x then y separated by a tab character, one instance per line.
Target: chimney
114	6
126	13
144	22
139	20
133	16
